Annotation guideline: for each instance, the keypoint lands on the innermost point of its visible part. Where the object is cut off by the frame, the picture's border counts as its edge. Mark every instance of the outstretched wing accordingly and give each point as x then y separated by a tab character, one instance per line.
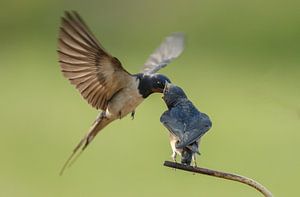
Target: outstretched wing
171	122
96	74
169	49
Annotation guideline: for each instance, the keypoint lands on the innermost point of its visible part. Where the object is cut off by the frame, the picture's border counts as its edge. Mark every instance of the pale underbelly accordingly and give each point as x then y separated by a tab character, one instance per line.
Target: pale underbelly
124	103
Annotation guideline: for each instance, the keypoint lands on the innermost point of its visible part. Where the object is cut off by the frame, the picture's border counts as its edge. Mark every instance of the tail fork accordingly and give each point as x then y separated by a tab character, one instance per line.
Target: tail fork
97	126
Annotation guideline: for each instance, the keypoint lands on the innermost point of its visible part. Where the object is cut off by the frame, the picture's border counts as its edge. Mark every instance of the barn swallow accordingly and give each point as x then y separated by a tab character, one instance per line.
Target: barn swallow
185	123
102	80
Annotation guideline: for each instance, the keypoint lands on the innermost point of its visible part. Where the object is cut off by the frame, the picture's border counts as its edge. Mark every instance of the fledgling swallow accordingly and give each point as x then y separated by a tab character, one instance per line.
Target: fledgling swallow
185	123
100	77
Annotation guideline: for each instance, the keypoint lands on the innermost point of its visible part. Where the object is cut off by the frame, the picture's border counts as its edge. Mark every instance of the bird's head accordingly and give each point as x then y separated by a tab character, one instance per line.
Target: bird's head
159	82
152	83
172	94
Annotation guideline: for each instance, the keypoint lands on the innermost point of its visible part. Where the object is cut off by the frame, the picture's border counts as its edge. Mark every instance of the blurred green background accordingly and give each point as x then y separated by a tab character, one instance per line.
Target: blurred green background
240	66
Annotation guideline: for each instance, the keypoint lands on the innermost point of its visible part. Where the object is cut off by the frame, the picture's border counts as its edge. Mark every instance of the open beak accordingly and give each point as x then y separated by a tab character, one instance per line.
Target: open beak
166	89
167	86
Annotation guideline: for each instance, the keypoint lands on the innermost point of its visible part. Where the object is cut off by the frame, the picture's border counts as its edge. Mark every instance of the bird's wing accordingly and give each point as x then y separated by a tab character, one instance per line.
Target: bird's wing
193	132
169	49
96	74
171	122
189	137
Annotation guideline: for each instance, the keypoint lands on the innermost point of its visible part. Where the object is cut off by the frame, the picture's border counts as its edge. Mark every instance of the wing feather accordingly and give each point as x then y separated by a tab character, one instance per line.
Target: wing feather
172	124
71	49
169	49
95	73
188	130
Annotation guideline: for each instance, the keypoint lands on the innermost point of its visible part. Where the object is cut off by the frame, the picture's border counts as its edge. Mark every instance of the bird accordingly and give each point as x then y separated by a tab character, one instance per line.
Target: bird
101	78
186	124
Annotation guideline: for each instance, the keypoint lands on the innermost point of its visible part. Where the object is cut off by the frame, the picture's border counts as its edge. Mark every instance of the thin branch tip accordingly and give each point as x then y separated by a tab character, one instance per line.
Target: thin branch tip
224	175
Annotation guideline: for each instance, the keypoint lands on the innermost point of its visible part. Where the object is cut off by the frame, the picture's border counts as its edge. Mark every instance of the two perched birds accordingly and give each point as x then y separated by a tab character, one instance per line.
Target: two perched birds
101	79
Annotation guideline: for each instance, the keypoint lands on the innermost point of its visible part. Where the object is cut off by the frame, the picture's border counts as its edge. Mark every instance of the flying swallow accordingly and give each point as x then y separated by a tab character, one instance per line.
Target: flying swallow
185	123
102	80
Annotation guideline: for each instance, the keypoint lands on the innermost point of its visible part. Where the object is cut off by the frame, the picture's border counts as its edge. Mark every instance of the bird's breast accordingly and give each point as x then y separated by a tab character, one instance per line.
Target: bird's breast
126	100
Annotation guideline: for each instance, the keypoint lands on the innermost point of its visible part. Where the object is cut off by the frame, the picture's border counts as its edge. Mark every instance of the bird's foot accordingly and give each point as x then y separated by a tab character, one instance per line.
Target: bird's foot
132	114
174	154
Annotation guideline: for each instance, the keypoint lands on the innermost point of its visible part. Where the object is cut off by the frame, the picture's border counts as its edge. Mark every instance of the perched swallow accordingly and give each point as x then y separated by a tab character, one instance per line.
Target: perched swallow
185	123
100	77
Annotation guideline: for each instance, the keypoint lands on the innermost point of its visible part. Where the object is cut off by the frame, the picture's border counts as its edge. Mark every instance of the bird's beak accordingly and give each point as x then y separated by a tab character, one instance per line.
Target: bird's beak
167	86
157	90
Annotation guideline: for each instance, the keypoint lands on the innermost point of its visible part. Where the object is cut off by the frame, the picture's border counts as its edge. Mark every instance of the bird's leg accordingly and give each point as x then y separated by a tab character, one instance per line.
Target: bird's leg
194	160
120	114
174	154
132	114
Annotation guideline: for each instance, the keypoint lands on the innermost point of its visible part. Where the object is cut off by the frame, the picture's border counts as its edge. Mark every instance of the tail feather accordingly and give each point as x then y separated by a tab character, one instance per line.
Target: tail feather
97	126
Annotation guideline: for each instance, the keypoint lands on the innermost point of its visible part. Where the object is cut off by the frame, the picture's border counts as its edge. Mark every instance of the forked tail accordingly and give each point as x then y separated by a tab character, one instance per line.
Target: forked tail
97	126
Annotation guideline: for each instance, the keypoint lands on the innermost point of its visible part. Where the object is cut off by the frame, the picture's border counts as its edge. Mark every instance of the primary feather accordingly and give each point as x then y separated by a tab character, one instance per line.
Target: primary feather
95	73
169	49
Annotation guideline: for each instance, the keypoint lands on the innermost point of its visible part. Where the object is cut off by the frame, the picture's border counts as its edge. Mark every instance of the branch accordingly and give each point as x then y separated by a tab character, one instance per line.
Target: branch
224	175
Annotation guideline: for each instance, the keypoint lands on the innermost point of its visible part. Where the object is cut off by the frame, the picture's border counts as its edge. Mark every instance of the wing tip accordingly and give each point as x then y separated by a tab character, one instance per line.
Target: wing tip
170	49
178	34
69	15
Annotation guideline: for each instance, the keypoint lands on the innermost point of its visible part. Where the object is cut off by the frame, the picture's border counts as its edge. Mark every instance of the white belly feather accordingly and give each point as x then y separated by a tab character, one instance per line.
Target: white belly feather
125	101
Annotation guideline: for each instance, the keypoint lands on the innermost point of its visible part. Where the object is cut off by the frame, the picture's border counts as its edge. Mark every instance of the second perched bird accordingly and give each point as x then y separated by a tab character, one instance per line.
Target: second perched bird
185	123
101	78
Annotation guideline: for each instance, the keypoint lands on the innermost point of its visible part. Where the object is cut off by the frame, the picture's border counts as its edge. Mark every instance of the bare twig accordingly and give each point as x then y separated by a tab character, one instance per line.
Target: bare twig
224	175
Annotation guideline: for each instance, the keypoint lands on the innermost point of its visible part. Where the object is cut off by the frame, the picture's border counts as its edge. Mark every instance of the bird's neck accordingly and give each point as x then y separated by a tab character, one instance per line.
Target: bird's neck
145	84
175	102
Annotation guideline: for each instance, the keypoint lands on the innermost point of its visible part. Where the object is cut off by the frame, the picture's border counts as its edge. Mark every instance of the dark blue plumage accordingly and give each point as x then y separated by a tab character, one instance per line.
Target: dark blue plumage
185	123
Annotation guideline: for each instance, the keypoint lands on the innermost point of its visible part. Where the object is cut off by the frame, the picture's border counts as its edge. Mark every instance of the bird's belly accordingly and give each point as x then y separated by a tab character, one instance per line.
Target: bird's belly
124	102
173	140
